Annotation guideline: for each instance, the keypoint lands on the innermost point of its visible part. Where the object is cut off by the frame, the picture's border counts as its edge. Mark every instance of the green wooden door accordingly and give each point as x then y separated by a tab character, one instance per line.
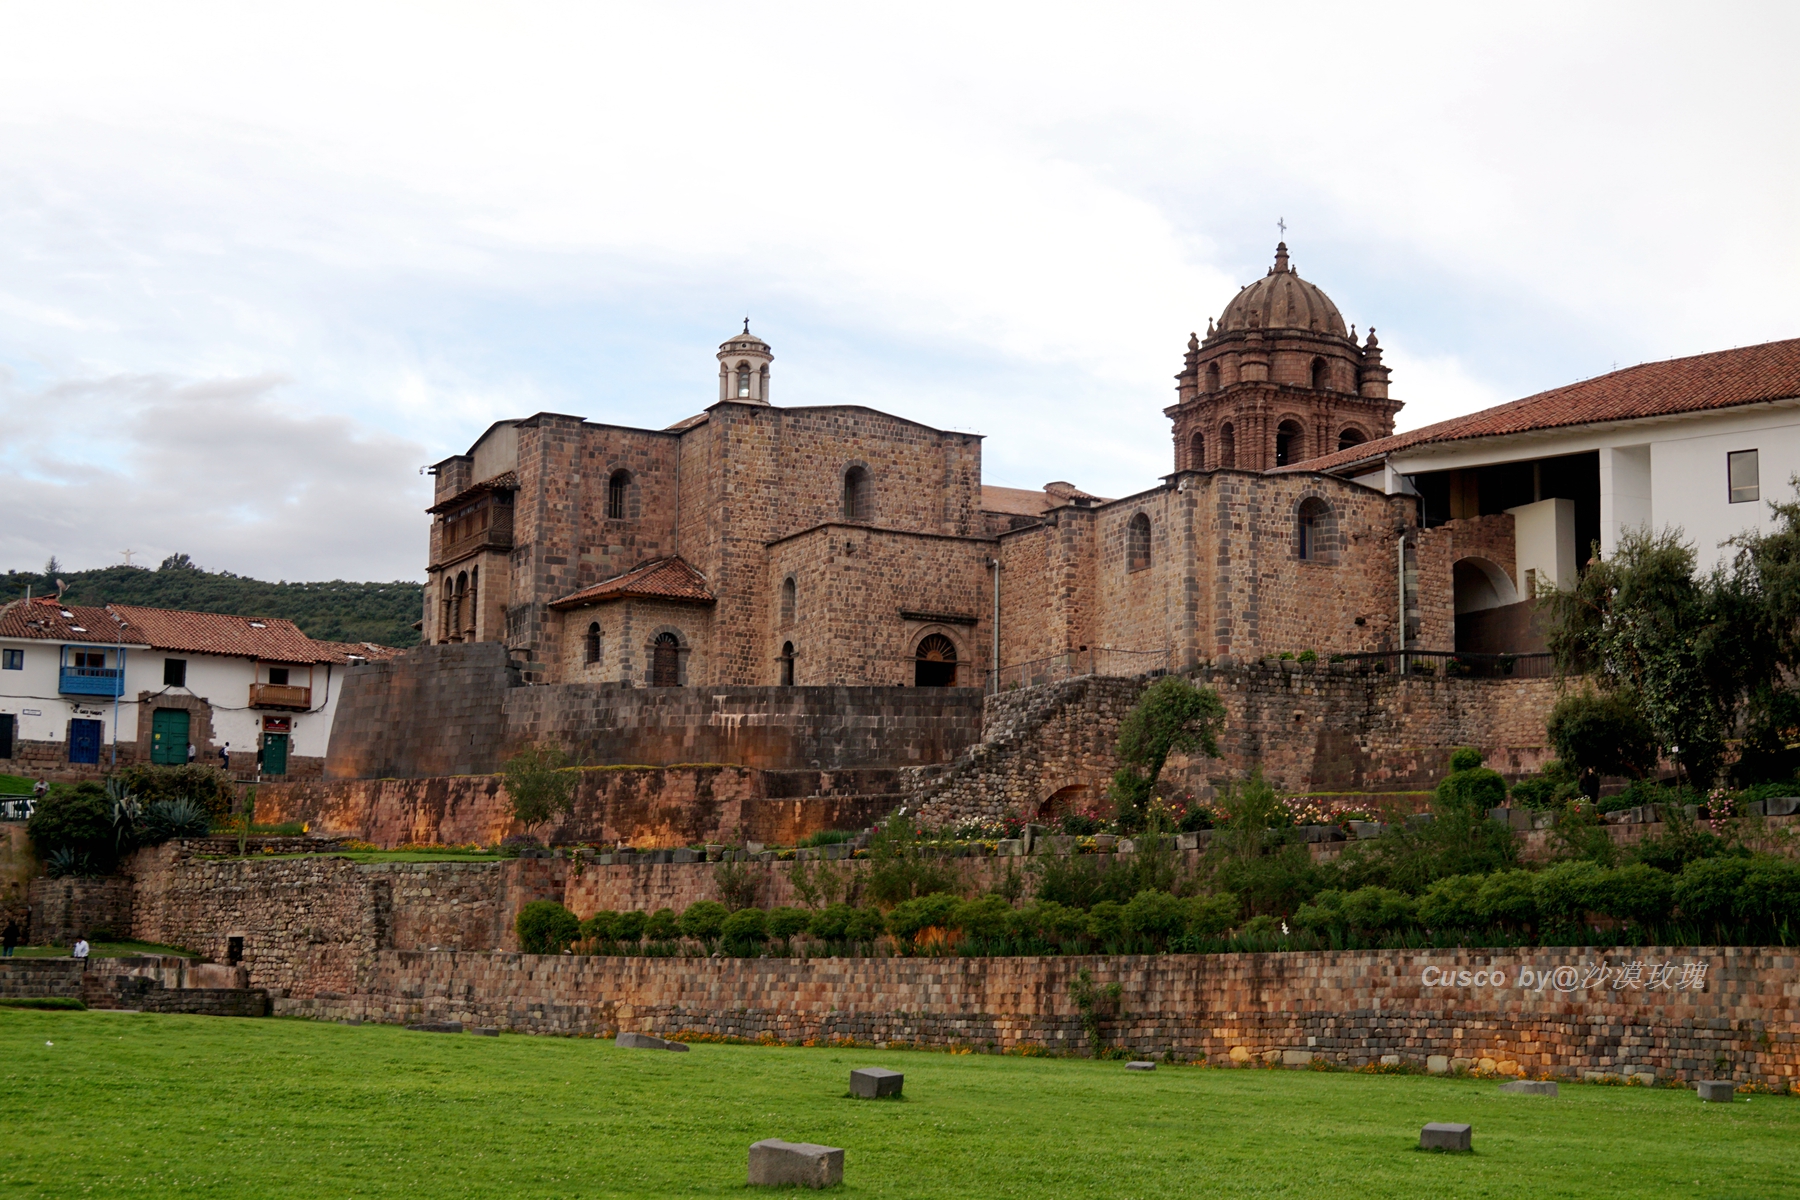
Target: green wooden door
275	748
168	737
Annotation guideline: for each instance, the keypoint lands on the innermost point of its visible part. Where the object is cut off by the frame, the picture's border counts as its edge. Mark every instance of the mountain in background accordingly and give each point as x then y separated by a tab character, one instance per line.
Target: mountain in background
333	612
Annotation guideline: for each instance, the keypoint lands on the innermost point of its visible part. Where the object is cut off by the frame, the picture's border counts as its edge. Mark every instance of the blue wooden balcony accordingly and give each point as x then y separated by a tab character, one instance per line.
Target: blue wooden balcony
92	681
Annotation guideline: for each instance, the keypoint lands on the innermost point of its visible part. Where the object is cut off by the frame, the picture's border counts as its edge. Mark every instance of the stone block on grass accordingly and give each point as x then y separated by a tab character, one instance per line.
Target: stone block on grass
437	1027
775	1163
1530	1087
485	1030
1140	1066
1296	1058
1440	1136
1717	1091
646	1041
1437	1064
874	1083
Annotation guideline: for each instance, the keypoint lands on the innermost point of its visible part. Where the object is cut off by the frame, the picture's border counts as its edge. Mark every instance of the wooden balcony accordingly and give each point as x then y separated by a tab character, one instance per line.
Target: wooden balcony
487	527
280	695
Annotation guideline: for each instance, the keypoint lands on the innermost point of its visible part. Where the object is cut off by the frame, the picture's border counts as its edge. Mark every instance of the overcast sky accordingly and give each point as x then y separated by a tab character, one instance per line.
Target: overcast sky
258	263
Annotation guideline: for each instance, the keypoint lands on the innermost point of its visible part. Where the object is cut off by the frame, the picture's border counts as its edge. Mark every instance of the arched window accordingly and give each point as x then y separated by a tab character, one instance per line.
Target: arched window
1197	452
936	662
1288	443
456	607
787	664
787	601
743	380
1227	445
856	494
616	489
762	393
1315	531
446	621
665	661
1212	377
1137	543
1321	375
591	653
1351	437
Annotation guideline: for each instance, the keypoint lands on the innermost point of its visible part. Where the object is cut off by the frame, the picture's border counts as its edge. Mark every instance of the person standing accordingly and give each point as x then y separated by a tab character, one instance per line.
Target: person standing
80	952
225	757
190	754
12	936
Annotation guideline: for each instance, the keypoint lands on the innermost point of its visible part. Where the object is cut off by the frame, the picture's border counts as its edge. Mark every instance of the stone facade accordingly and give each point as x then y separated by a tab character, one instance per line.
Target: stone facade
458	710
1545	1013
69	908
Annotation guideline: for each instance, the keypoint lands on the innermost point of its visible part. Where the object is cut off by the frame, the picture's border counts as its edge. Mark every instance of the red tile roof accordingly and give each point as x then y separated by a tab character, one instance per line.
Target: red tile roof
506	481
668	578
271	639
1723	379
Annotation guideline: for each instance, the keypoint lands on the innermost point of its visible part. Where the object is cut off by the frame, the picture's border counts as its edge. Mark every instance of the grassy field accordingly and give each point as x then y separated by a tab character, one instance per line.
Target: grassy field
103	950
111	1104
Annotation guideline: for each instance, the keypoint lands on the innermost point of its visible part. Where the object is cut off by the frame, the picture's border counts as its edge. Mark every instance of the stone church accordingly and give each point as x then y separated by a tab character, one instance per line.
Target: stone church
824	544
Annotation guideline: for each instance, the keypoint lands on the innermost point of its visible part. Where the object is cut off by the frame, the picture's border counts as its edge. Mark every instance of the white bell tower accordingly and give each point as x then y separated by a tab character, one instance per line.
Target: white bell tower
744	368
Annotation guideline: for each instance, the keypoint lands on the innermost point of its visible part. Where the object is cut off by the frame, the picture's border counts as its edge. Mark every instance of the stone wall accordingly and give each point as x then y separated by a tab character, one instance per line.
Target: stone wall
435	710
647	808
1685	1013
65	909
450	710
1310	727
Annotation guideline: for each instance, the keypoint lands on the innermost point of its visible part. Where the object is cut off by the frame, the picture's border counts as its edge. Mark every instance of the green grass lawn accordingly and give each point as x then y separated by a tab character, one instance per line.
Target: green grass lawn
103	950
143	1105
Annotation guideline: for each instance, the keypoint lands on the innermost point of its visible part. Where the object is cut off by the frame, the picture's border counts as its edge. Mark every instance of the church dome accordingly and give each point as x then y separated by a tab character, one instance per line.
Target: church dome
1282	300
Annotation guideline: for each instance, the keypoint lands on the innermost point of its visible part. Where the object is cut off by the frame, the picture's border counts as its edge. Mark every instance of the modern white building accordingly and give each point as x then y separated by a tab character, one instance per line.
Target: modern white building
1701	445
84	690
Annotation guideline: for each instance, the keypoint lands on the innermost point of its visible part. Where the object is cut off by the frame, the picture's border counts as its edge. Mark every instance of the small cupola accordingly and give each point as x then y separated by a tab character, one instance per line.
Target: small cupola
744	368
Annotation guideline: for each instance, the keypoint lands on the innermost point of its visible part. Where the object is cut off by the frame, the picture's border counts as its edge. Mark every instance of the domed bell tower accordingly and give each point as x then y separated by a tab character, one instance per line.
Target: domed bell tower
744	368
1278	380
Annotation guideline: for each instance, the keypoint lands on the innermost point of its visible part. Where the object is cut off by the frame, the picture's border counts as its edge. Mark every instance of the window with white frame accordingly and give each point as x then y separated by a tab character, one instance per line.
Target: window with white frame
1743	476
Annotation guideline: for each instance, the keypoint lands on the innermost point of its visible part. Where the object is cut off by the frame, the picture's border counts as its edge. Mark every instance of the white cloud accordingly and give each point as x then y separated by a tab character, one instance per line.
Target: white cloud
1006	218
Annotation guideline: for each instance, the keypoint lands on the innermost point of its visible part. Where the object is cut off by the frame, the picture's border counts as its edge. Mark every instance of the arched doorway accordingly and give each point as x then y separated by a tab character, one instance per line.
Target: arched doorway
1289	443
665	661
935	665
1482	588
787	664
1064	801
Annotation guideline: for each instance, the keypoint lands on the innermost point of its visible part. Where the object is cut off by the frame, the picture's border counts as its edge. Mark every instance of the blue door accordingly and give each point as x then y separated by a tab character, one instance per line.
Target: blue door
84	741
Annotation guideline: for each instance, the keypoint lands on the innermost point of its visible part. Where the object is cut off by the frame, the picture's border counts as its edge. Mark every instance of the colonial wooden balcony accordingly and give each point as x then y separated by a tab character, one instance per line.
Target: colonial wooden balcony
280	695
92	681
488	526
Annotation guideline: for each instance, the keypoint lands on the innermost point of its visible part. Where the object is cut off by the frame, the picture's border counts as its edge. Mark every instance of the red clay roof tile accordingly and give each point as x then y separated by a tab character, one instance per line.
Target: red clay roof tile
1722	379
668	578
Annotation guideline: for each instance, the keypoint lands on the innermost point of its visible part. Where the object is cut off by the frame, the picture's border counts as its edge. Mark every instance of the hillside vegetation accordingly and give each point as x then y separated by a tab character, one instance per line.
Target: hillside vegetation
337	611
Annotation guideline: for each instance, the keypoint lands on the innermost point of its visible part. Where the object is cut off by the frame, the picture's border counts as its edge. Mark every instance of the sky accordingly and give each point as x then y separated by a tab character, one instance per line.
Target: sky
259	264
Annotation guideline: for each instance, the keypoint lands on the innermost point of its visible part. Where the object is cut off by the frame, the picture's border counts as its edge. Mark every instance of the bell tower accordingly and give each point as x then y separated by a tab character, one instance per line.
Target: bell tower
1278	380
744	368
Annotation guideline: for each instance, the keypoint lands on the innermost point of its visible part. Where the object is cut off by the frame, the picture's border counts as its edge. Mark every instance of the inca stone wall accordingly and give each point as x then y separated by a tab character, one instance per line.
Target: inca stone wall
647	808
449	710
1679	1013
69	908
1308	726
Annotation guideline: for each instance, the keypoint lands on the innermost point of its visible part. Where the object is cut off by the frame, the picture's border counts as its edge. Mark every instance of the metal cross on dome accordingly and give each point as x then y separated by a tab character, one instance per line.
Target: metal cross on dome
1281	224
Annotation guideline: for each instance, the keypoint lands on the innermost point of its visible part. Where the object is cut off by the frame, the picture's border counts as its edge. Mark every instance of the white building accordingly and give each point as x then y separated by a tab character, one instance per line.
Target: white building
83	690
1699	444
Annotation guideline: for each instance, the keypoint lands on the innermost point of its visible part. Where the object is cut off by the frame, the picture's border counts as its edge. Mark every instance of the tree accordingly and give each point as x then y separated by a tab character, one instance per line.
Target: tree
539	784
77	822
545	927
1602	733
1172	715
1648	628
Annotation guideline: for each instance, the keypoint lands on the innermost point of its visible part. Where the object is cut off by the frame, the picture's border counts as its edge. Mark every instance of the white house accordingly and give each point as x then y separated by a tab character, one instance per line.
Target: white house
83	690
1699	444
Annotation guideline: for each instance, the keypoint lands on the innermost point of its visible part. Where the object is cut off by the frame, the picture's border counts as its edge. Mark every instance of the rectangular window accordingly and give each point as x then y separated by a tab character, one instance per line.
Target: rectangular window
278	676
90	658
1740	467
174	672
12	660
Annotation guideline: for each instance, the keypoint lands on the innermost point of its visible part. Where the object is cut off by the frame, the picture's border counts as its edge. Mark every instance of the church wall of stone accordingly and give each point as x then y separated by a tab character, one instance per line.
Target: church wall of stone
628	631
1142	609
608	546
852	584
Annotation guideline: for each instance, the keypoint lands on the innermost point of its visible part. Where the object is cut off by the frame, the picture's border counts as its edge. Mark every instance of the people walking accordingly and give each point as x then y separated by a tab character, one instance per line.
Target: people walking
225	757
11	937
